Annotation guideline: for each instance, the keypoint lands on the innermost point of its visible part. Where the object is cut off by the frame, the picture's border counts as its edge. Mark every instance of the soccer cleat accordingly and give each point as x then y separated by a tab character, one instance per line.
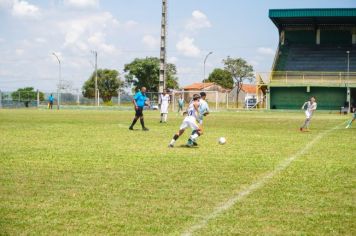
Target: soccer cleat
145	129
301	129
195	143
189	143
130	128
170	145
348	126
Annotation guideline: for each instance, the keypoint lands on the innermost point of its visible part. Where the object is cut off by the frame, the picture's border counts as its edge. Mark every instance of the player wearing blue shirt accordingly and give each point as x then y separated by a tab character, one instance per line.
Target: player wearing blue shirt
50	101
139	101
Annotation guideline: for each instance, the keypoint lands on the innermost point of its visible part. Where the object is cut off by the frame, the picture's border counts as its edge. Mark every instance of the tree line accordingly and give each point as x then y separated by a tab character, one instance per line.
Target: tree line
144	72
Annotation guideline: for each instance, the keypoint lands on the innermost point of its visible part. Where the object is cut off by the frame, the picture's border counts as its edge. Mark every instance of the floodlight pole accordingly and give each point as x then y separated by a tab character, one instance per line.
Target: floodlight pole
206	57
59	85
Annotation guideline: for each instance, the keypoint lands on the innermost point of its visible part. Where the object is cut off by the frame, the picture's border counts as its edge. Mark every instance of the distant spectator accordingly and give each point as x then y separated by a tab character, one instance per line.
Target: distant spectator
50	101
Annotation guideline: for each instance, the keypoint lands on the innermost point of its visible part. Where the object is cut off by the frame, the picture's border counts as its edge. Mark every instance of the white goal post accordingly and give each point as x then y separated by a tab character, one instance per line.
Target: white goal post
214	98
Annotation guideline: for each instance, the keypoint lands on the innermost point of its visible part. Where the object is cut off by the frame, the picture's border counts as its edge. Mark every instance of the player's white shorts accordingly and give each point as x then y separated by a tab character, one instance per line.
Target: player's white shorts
164	108
308	114
191	122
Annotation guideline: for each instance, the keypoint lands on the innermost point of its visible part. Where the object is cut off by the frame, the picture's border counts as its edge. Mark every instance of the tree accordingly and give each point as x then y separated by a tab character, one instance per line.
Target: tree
108	84
145	73
222	78
240	71
26	95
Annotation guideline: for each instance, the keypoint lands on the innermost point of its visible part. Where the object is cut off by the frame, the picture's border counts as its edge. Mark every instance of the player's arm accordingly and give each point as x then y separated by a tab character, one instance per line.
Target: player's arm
134	102
207	110
304	105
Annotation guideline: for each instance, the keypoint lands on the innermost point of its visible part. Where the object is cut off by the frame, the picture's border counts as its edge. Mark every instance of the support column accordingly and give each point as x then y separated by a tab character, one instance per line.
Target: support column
318	37
348	99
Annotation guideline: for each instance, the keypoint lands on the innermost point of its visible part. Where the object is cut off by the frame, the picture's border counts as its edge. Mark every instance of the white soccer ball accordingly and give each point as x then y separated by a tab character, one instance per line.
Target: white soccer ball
222	140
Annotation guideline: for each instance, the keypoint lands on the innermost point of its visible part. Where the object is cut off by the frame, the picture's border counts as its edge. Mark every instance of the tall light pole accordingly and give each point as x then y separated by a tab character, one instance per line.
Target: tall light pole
59	84
96	78
348	80
206	57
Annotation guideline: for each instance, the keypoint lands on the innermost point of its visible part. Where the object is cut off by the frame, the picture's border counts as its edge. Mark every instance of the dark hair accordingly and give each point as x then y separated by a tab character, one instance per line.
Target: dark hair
196	97
202	94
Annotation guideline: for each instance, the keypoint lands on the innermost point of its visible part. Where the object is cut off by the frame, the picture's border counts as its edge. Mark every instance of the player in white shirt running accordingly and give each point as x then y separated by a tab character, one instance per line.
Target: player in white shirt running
309	107
164	100
192	121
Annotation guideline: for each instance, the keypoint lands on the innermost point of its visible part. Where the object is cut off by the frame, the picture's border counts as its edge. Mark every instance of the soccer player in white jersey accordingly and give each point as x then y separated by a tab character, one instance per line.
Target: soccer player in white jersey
192	121
164	100
309	107
352	120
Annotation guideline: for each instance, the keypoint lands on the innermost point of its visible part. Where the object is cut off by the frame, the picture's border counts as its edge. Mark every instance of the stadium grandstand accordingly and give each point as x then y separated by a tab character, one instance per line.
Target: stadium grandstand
316	56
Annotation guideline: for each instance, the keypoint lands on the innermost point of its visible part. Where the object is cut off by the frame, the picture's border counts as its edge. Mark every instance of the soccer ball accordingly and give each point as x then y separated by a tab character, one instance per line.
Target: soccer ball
222	140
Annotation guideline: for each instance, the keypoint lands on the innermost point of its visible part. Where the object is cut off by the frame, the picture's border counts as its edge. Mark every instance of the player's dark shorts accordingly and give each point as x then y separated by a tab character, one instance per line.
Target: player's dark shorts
139	111
51	103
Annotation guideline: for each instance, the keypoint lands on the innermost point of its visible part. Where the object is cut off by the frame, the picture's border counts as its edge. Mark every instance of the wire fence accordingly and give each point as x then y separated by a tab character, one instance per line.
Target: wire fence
75	100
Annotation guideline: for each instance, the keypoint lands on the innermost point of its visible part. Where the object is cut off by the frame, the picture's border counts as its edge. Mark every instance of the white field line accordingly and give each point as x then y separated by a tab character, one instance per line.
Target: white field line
239	196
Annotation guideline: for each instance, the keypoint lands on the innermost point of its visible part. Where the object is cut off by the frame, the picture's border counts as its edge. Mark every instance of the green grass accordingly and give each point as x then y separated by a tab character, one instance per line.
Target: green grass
84	172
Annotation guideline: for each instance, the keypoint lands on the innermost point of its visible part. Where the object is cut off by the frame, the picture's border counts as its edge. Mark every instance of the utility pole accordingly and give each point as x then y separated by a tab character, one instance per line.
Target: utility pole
348	81
59	85
162	59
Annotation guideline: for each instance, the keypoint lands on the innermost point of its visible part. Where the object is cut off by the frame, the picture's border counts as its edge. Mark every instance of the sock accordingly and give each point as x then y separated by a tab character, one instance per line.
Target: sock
175	137
133	122
142	123
165	117
161	117
305	123
194	135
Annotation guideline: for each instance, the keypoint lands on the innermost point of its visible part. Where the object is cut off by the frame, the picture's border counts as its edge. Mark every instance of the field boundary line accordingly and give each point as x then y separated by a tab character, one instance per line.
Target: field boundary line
239	196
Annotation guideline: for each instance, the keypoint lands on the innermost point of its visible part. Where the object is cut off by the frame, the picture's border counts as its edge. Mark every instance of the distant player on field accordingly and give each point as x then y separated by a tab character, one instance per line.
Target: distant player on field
139	102
164	100
180	103
192	121
309	107
349	123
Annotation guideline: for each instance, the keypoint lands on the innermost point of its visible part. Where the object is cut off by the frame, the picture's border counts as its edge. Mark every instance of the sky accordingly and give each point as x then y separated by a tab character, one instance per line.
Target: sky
122	30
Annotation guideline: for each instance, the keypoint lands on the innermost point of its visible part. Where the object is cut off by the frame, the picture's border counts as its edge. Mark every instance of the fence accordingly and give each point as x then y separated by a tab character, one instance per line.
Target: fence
217	100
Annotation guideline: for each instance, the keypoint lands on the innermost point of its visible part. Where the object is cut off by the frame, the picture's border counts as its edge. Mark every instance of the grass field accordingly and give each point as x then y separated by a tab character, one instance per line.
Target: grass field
84	172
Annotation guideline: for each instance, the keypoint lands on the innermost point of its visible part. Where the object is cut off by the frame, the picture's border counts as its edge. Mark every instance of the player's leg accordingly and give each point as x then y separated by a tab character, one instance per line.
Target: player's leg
349	123
165	115
134	120
161	120
177	135
197	131
139	115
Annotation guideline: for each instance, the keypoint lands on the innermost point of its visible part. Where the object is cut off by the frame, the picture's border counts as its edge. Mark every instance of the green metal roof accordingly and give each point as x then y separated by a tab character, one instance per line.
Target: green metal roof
320	16
320	12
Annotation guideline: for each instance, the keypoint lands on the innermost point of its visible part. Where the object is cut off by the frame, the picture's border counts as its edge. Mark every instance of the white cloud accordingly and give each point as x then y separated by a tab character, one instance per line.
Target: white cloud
187	48
5	4
19	51
198	21
82	3
25	9
130	24
40	40
97	40
88	30
173	60
150	41
266	51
